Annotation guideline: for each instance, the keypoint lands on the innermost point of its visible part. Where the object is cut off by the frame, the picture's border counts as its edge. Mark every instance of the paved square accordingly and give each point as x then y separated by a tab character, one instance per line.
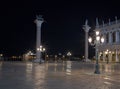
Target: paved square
67	75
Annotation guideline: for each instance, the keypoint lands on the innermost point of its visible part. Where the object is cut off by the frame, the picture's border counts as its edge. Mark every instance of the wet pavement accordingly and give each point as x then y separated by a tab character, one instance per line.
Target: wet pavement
67	75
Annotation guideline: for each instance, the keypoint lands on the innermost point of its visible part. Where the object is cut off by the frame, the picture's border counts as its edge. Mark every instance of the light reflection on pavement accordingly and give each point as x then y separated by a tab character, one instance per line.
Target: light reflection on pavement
65	75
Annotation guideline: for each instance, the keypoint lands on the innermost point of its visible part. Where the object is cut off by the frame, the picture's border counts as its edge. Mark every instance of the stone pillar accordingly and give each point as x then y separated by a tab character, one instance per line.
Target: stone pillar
104	56
104	39
86	29
116	56
117	37
39	20
110	37
110	56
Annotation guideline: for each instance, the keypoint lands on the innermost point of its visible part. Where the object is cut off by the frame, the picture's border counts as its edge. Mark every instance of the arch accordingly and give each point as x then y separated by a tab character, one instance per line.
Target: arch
107	37
114	37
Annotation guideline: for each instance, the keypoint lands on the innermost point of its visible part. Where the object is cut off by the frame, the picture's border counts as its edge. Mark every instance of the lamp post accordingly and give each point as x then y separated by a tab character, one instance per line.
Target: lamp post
96	42
56	58
41	49
69	54
46	58
1	57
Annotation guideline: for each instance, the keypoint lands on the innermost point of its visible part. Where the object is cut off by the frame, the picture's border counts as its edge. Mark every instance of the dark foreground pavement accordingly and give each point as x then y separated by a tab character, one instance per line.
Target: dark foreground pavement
67	75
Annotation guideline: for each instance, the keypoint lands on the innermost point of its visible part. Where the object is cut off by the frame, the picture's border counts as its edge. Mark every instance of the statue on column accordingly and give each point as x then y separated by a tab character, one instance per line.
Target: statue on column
86	29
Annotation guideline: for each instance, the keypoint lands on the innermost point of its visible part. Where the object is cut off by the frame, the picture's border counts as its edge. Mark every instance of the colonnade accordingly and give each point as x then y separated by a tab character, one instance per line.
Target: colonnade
110	49
112	37
110	56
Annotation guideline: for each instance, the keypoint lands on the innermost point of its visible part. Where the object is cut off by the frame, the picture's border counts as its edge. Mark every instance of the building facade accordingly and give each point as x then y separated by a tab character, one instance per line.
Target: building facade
109	51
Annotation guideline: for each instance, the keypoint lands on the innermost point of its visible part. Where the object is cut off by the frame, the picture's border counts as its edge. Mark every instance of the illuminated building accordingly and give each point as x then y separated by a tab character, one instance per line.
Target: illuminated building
110	49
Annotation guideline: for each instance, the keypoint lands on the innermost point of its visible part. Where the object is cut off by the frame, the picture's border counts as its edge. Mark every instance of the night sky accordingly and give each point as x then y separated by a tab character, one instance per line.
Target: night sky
62	30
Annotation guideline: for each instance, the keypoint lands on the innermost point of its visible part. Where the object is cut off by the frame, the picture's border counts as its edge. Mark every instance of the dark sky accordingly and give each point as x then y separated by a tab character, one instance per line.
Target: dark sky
62	30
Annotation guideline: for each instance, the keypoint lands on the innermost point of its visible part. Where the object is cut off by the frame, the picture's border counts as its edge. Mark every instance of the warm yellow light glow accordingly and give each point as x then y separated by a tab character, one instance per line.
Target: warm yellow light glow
43	49
14	57
109	51
100	52
40	46
69	54
55	56
97	38
106	52
97	33
102	39
1	54
38	49
90	39
47	56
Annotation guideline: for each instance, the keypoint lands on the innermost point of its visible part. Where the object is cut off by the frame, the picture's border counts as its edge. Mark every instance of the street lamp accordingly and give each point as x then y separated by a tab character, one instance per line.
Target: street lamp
1	57
41	49
69	54
96	42
55	58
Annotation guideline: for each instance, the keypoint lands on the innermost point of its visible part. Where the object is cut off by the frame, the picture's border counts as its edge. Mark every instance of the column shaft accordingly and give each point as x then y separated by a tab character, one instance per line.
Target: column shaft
86	46
110	37
104	39
116	56
38	42
103	56
110	57
117	37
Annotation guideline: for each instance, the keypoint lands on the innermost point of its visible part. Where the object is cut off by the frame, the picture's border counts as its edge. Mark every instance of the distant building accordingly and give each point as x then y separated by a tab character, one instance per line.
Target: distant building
29	56
110	49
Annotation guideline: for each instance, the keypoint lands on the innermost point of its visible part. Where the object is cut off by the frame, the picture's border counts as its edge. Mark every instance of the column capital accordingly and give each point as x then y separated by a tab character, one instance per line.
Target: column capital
39	20
86	27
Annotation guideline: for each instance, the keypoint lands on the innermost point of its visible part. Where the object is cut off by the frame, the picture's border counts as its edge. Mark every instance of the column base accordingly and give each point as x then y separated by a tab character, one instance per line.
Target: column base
87	60
38	61
117	60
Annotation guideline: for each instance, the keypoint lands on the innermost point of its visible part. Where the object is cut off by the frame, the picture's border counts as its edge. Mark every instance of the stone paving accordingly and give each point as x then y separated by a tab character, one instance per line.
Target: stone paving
67	75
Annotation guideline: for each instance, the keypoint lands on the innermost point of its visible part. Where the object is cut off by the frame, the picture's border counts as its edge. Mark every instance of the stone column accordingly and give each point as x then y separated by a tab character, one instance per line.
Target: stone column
117	37
86	29
39	20
110	37
104	39
104	56
110	56
116	56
